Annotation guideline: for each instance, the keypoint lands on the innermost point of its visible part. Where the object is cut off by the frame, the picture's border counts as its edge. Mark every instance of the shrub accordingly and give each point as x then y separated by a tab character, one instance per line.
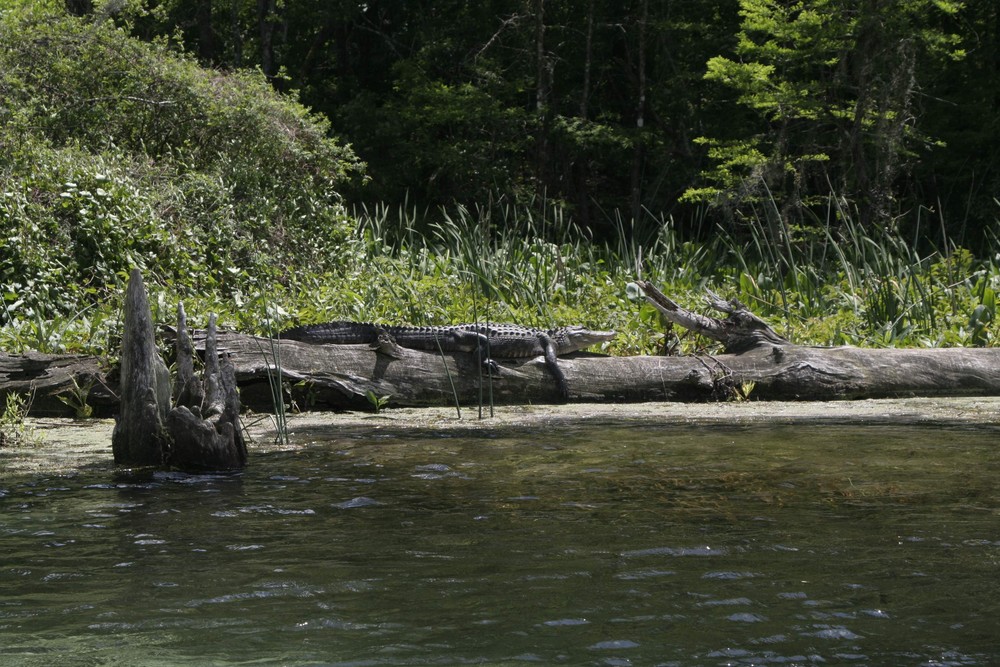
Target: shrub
116	153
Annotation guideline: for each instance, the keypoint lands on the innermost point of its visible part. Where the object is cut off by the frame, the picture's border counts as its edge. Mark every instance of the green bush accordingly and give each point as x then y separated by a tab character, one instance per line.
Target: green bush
116	153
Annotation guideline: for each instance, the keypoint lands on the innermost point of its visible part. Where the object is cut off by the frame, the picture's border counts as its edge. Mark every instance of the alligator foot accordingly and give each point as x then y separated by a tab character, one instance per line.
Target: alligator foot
387	345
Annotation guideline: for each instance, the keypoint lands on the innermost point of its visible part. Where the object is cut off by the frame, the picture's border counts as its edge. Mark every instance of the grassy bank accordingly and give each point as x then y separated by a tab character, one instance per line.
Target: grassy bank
825	286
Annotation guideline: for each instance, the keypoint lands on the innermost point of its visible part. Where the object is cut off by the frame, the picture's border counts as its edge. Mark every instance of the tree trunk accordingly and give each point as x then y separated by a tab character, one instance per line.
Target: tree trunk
638	155
542	73
80	7
543	90
267	23
236	33
588	61
206	32
580	167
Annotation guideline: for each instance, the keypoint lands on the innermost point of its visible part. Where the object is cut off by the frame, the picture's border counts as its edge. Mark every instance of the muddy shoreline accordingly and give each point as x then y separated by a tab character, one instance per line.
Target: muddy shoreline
66	445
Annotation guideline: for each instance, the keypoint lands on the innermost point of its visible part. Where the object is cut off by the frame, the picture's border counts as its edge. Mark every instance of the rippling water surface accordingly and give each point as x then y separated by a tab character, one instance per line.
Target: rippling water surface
607	544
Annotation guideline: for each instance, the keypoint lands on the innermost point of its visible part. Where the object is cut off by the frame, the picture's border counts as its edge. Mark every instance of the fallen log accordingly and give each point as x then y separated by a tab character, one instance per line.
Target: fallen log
342	376
347	376
58	384
756	363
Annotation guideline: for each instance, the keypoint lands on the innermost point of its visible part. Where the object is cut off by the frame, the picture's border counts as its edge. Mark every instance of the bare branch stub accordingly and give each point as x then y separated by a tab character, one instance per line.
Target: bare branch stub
740	331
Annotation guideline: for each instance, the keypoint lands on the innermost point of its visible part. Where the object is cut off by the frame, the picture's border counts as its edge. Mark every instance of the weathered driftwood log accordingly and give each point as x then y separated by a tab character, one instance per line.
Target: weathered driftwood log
739	332
341	376
201	432
58	384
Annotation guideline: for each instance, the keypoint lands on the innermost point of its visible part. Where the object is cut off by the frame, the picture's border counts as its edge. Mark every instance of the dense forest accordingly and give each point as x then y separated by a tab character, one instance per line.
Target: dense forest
420	160
643	105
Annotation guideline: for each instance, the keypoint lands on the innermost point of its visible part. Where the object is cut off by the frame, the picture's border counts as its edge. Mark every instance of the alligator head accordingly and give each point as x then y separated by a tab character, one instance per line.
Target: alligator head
573	338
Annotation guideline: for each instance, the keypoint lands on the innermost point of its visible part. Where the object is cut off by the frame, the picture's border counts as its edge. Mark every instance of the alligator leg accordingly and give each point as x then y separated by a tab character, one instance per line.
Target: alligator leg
481	350
386	344
552	362
467	341
479	345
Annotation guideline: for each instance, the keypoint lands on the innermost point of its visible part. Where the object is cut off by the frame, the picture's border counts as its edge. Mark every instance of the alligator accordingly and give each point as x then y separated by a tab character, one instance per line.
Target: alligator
505	341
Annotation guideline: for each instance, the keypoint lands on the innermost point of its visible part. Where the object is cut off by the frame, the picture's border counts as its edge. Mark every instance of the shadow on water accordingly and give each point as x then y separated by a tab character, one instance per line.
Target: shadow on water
609	544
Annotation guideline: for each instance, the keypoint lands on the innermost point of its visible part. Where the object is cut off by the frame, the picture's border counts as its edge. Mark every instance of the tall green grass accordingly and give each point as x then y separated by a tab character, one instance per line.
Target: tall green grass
830	283
837	282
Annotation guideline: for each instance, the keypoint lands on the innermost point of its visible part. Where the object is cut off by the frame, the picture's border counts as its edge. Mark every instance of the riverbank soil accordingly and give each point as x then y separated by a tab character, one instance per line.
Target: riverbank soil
63	445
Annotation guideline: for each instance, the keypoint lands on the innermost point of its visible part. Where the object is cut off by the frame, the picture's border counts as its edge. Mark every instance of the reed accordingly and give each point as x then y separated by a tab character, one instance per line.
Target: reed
831	282
272	359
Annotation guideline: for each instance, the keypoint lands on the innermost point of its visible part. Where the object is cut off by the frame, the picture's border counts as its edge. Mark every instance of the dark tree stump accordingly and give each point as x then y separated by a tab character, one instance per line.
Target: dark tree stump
140	437
205	426
202	432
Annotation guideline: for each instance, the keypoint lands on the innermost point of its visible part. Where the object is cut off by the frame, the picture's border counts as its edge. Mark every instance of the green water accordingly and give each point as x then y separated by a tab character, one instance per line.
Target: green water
608	544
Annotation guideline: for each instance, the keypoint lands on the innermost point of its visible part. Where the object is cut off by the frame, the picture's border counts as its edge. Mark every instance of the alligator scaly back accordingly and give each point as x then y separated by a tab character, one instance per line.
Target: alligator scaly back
503	341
